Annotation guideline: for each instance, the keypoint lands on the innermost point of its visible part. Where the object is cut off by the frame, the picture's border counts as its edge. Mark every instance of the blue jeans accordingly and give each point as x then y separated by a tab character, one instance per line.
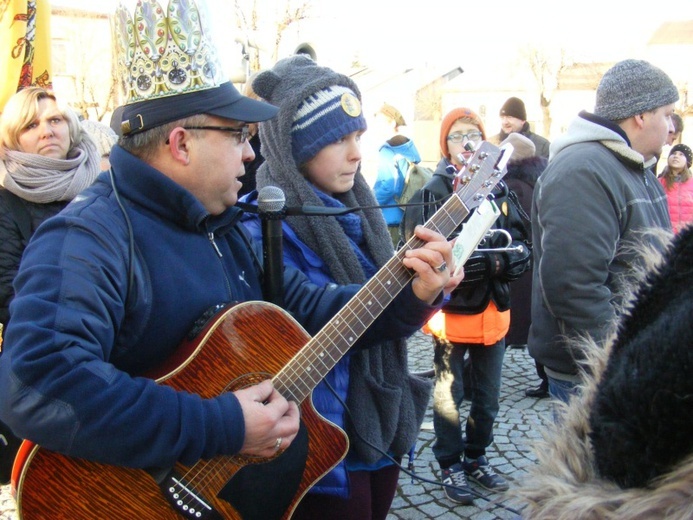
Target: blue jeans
484	373
561	389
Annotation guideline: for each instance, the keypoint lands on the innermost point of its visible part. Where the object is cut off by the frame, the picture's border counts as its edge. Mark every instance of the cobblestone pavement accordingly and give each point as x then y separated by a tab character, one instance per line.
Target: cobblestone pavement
518	424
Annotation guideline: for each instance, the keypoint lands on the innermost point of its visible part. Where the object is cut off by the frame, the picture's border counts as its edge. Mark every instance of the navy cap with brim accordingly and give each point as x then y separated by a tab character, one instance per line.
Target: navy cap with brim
222	101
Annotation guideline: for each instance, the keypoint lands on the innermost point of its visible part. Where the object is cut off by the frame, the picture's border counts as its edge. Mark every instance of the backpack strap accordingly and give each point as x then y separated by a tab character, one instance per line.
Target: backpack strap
19	212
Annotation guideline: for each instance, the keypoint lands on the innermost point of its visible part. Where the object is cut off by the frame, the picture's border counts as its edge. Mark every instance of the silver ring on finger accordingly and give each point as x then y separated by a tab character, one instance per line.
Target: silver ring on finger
278	444
442	267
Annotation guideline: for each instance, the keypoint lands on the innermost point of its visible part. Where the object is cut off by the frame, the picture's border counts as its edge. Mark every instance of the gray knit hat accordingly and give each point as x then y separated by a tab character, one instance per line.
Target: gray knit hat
632	87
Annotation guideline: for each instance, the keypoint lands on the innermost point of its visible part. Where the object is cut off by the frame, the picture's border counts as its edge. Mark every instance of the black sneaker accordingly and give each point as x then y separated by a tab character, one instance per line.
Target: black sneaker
460	493
481	472
539	392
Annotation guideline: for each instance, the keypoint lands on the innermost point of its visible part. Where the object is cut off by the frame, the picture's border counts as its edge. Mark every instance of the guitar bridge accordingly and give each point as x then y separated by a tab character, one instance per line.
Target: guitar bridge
185	500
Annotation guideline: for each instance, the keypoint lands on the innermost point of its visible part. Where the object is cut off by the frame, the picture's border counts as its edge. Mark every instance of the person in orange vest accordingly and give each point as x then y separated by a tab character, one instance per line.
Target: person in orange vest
469	333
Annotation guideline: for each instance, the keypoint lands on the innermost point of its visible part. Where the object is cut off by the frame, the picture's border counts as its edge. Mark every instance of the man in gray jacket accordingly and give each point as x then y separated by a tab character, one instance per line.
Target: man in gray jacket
595	200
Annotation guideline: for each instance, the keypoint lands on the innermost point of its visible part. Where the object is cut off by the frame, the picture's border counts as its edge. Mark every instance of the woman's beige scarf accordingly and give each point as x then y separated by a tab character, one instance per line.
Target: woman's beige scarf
40	179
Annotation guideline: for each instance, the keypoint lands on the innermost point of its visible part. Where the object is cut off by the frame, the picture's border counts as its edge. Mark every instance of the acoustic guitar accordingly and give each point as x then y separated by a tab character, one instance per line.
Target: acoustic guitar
241	345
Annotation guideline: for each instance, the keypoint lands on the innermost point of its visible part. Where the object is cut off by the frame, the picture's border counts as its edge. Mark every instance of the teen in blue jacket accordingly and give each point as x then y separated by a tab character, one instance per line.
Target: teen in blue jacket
314	157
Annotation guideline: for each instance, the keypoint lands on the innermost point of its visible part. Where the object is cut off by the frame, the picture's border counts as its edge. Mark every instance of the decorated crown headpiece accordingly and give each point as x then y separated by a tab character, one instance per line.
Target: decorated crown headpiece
165	53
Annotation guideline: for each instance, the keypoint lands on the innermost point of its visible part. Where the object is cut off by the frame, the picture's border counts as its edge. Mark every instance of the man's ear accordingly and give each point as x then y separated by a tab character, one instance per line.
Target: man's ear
178	145
639	120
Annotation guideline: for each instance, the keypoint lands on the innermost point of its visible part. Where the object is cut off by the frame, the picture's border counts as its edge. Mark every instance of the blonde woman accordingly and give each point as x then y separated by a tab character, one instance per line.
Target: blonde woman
45	160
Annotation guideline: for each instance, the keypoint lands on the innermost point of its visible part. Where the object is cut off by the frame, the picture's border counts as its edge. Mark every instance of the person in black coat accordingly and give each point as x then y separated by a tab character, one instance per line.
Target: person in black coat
524	169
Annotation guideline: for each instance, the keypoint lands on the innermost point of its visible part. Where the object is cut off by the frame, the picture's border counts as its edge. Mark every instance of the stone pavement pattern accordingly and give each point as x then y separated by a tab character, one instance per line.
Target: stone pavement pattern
519	423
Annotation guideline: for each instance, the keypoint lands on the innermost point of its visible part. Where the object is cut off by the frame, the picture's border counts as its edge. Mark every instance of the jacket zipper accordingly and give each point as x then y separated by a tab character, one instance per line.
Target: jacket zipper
210	236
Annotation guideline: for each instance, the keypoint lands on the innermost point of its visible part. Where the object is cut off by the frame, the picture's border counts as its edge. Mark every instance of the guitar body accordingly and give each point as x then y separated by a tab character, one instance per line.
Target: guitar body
242	345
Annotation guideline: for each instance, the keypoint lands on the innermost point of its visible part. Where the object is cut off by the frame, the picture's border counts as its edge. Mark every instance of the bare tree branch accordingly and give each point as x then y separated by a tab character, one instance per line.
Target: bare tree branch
546	66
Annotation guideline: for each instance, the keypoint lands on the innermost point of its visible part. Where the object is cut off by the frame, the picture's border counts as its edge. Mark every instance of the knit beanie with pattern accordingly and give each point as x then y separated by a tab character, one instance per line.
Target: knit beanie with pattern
317	106
633	87
514	107
449	120
322	118
685	150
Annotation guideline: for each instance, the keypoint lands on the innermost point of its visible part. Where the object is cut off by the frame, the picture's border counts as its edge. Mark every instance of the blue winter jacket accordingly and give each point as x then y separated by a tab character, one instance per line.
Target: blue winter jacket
392	168
81	332
300	256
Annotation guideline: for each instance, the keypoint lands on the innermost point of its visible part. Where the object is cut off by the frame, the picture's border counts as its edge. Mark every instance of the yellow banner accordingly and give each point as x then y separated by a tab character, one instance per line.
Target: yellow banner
25	46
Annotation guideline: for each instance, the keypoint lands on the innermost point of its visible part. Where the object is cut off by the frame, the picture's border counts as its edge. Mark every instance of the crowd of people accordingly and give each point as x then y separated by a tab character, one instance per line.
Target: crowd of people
103	235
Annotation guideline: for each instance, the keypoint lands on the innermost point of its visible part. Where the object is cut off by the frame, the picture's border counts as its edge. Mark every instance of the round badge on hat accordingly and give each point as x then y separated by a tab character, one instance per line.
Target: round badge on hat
350	104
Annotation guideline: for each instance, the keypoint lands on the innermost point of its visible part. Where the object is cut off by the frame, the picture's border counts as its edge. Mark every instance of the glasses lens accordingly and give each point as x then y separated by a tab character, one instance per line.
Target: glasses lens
458	137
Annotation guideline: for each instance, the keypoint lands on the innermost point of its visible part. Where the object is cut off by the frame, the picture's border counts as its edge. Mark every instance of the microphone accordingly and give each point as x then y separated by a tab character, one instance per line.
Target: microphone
271	203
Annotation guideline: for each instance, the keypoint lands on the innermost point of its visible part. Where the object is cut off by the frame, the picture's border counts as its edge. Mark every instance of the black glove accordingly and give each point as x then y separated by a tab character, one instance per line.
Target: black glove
482	267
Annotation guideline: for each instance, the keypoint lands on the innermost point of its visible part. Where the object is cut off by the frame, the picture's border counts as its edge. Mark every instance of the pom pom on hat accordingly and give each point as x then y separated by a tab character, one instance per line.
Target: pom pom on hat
449	120
632	87
103	136
523	147
685	150
514	107
323	118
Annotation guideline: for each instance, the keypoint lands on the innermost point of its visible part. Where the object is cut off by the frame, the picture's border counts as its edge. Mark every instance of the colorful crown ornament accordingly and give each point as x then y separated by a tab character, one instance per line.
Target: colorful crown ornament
165	53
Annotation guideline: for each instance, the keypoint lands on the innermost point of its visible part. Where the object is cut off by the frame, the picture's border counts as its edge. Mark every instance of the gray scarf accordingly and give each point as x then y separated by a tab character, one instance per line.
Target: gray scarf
40	179
387	404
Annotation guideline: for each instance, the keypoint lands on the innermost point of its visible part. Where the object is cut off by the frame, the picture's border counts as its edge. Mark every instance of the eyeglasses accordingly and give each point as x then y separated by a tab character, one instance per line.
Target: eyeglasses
459	137
243	132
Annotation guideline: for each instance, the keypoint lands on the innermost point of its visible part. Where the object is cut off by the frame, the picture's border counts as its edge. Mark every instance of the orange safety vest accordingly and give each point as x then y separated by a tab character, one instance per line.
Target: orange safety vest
486	328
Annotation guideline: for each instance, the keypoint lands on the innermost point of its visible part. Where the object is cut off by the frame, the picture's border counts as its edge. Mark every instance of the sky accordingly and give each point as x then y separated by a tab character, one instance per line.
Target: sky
448	33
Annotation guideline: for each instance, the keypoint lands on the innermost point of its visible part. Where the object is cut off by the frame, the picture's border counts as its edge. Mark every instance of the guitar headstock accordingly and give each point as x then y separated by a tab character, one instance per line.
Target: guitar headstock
476	180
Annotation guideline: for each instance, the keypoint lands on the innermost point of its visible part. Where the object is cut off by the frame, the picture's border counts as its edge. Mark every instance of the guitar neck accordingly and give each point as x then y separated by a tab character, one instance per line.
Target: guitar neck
312	363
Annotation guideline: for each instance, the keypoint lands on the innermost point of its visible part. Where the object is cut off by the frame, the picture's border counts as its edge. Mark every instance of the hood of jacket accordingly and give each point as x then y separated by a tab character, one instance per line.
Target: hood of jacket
587	128
407	150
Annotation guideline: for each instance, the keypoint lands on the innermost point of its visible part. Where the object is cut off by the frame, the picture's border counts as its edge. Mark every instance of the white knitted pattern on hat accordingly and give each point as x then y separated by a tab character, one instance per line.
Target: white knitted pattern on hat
318	105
